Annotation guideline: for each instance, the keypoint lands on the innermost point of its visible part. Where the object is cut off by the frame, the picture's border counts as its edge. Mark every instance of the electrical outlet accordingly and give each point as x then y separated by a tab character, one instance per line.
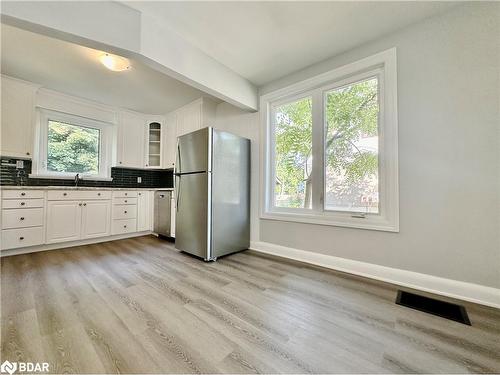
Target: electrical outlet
20	164
139	180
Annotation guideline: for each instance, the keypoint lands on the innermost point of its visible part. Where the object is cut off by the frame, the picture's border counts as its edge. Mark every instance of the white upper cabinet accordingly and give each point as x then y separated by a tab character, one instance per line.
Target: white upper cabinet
169	141
193	116
154	145
196	115
188	118
140	141
18	99
131	140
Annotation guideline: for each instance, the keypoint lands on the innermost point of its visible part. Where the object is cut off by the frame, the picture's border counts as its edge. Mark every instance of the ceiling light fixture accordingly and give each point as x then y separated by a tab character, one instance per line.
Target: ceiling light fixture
114	63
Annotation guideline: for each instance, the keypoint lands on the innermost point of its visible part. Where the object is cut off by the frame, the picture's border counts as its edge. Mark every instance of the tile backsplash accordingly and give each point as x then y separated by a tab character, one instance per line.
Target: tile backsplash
122	177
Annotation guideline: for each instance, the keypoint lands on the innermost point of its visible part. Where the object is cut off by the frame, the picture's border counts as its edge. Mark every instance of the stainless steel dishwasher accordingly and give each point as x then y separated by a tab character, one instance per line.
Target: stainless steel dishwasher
162	213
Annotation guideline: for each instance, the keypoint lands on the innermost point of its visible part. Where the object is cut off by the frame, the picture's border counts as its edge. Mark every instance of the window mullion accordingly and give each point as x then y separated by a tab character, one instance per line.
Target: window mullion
317	151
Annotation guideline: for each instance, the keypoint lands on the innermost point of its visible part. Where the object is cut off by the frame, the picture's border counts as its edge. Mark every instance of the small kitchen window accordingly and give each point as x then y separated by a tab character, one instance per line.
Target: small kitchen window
70	144
330	148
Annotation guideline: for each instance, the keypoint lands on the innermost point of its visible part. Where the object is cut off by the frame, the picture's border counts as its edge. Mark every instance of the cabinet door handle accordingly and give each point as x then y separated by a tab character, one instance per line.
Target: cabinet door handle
79	204
85	204
21	238
27	153
126	201
21	218
125	211
124	226
98	194
23	194
64	194
23	203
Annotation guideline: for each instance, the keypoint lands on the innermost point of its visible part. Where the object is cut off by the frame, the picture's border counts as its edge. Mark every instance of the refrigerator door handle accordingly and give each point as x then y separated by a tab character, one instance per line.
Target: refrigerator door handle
177	192
178	164
177	173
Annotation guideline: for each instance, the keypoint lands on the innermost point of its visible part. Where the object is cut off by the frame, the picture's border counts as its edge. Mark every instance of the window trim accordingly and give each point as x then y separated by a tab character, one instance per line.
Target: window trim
384	65
105	149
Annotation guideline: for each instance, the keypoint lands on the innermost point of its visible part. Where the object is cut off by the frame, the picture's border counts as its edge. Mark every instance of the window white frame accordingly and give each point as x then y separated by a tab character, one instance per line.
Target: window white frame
383	66
105	145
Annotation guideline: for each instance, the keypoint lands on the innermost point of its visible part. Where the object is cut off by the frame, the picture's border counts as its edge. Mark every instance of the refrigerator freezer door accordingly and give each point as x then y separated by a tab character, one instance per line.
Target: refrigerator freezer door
191	221
192	152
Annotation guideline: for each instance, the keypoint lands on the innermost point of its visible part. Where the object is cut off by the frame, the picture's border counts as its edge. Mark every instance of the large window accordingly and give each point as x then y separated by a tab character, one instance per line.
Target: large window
71	144
331	148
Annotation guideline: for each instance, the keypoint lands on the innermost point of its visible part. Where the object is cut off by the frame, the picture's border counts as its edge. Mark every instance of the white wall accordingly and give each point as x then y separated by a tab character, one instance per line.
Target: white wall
244	124
449	142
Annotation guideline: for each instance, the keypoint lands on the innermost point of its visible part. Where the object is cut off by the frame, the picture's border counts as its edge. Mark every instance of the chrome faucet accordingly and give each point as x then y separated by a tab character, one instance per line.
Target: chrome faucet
77	179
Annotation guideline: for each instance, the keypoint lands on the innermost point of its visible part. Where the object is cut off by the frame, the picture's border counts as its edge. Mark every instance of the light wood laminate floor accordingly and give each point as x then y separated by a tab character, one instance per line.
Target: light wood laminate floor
140	306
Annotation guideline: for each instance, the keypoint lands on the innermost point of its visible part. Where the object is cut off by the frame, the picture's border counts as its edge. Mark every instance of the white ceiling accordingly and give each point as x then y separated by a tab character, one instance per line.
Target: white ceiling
263	41
76	70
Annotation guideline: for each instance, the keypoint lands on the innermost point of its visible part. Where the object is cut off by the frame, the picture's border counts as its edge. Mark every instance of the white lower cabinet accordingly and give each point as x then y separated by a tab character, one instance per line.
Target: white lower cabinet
37	217
96	219
125	213
69	220
22	237
143	211
23	218
124	226
64	221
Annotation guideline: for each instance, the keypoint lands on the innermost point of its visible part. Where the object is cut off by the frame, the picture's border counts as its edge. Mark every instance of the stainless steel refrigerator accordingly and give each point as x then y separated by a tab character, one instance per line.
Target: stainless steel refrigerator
212	192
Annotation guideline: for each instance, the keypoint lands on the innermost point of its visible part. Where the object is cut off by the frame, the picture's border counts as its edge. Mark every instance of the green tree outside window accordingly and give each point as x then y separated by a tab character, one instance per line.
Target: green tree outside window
351	149
72	148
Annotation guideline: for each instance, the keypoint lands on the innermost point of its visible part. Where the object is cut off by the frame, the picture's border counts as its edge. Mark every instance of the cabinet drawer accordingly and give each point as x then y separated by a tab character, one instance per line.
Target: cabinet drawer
124	211
125	201
124	226
124	194
20	218
14	238
23	194
71	195
22	203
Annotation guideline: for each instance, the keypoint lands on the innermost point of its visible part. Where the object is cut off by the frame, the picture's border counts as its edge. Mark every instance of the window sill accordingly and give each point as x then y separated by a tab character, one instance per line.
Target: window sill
379	223
69	177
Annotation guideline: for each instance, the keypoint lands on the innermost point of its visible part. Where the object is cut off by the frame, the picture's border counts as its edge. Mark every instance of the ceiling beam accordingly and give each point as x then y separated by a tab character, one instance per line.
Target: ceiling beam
116	28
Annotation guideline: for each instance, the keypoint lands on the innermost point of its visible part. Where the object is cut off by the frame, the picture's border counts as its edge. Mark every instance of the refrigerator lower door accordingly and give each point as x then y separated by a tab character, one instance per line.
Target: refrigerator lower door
191	234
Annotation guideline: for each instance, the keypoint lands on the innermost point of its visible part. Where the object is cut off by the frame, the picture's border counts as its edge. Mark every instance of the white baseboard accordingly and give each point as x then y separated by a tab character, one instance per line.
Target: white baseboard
475	293
63	245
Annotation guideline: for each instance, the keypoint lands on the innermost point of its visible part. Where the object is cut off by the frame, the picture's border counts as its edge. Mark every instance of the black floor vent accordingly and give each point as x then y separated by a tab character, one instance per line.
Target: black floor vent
433	306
